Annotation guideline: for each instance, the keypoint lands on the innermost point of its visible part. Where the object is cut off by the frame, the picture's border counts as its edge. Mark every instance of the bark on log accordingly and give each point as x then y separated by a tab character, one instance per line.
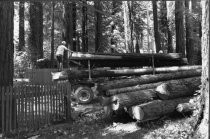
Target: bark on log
147	79
126	100
79	74
128	60
155	109
186	107
178	88
79	55
112	92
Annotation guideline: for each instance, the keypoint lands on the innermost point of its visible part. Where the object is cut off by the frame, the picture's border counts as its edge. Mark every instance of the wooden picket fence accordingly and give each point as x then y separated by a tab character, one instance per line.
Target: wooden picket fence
28	107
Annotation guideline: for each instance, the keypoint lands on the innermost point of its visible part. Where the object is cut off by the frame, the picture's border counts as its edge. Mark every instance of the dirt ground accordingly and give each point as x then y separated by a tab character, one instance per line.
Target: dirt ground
94	125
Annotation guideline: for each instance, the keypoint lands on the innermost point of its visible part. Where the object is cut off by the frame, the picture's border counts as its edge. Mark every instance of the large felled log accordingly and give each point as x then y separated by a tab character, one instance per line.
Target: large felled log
80	55
155	109
147	86
148	79
79	74
178	88
186	107
126	100
128	60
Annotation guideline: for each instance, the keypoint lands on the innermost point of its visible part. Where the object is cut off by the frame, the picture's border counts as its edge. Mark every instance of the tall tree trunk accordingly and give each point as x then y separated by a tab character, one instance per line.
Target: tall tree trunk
113	26
137	43
98	31
6	43
74	25
52	32
21	26
169	28
164	26
202	125
127	30
148	30
130	8
67	33
189	38
179	23
156	31
196	32
36	32
84	28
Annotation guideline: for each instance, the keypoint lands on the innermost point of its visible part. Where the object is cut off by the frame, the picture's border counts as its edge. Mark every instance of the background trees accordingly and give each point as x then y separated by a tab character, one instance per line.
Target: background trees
134	27
6	43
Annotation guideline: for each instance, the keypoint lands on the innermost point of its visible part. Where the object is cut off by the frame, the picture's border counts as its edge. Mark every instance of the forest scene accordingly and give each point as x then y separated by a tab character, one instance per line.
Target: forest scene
104	69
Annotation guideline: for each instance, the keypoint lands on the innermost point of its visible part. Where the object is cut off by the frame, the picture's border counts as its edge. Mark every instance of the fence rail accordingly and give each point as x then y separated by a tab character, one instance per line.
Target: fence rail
28	107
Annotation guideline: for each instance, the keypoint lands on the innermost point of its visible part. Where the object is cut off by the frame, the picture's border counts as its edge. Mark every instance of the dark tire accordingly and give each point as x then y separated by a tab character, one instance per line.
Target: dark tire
84	94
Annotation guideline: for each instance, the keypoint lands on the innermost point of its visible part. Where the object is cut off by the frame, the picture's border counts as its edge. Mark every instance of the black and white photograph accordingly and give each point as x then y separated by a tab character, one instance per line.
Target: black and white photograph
104	69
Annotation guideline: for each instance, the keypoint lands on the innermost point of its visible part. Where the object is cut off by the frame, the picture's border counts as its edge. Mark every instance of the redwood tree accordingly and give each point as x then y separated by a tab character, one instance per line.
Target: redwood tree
179	25
202	125
156	31
84	27
98	30
21	26
6	43
52	32
36	32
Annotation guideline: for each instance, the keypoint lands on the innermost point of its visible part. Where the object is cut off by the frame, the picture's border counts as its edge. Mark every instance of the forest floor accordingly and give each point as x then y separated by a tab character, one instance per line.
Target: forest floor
95	126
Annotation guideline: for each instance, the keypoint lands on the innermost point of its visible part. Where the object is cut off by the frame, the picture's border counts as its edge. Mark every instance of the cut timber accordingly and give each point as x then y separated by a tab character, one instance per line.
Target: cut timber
178	88
148	79
80	55
126	100
155	109
112	92
79	74
128	60
186	107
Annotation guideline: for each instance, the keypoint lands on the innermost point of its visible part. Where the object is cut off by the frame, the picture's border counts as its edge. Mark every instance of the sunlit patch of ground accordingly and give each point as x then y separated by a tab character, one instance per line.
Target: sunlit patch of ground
121	129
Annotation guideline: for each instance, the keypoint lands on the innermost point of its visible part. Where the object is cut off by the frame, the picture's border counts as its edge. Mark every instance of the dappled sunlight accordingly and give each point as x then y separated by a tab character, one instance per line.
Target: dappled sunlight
120	129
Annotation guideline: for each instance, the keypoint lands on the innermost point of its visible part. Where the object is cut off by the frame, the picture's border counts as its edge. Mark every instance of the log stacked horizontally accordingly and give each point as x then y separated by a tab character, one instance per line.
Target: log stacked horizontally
152	96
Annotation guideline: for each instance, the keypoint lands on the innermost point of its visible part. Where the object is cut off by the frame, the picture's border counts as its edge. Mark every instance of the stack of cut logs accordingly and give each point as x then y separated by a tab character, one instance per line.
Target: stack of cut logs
149	97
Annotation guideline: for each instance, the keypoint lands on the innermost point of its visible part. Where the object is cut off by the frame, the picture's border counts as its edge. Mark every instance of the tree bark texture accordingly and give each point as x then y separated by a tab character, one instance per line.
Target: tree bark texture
169	28
68	29
74	25
145	79
126	100
178	88
84	28
202	125
21	27
128	60
98	31
6	43
193	48
155	109
142	87
156	30
36	32
127	30
52	32
179	24
81	74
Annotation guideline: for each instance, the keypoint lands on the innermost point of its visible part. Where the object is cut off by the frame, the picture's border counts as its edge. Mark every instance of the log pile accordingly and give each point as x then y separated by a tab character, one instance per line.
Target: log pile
81	74
151	96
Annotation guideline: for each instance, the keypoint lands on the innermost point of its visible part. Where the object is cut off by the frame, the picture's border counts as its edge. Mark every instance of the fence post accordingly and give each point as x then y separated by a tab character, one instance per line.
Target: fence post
68	102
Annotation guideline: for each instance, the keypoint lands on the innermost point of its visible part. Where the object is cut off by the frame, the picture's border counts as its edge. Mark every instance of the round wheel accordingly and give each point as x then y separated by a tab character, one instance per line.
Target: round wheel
84	94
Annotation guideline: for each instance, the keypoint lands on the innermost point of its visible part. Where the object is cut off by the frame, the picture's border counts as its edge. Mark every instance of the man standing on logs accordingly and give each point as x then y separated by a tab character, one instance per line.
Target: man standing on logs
60	53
